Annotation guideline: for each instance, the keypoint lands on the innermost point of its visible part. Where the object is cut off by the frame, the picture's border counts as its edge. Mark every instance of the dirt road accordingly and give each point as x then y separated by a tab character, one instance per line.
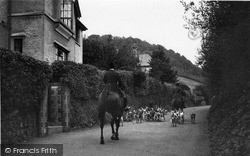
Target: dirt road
144	139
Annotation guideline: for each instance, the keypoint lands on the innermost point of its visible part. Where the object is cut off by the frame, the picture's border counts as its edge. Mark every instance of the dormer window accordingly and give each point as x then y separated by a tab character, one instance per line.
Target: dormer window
66	12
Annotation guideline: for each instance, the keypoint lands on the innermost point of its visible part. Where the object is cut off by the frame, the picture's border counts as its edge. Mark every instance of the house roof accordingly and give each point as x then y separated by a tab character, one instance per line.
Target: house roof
144	59
81	26
77	9
78	15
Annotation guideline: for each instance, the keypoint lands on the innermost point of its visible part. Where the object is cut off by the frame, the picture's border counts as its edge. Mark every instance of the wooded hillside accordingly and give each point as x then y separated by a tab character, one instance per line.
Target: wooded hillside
178	62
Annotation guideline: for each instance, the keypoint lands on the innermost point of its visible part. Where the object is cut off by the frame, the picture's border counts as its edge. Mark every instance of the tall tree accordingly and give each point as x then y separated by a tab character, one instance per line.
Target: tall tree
97	53
160	68
100	51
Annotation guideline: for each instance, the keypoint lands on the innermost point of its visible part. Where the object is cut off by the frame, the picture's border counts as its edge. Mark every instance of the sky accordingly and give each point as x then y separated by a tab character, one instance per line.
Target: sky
155	21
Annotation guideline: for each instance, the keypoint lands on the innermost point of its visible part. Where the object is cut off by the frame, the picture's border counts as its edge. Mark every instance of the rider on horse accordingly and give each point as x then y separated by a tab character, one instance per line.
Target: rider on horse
178	98
112	80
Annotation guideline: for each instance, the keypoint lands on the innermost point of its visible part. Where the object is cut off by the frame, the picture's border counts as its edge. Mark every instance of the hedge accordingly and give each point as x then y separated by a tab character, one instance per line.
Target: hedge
229	122
23	81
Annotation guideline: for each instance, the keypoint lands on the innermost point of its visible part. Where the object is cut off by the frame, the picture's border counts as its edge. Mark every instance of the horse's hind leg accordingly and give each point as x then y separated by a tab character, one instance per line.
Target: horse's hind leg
117	122
102	125
112	128
101	119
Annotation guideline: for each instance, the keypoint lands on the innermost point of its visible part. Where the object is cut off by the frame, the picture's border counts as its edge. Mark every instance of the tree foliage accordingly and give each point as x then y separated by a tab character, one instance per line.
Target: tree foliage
100	51
225	59
160	68
125	58
97	53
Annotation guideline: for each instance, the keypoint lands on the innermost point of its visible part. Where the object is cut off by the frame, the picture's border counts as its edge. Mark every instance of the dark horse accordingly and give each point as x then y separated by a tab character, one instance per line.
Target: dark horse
178	103
111	102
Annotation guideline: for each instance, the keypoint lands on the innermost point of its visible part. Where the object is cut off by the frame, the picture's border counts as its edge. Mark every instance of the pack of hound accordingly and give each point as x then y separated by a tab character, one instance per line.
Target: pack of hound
177	116
145	114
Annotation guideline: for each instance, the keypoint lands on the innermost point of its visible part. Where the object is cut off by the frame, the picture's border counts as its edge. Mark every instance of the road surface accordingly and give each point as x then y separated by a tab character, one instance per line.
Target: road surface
143	139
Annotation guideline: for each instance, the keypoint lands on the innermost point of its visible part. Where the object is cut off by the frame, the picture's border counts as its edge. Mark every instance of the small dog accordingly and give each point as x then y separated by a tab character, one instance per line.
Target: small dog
192	118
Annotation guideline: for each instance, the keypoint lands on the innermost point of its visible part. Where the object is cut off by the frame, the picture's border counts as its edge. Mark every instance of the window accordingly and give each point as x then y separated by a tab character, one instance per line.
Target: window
18	45
61	51
62	55
66	12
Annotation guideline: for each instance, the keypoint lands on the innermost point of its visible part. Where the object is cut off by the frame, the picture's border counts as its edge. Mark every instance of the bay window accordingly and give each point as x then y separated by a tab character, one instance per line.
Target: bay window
66	12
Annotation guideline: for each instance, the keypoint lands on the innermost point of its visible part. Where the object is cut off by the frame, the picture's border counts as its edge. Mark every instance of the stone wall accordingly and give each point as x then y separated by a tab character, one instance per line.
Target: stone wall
21	6
32	28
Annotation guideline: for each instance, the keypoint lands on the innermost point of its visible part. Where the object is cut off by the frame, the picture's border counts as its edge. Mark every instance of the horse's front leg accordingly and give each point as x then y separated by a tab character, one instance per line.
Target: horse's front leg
112	128
117	122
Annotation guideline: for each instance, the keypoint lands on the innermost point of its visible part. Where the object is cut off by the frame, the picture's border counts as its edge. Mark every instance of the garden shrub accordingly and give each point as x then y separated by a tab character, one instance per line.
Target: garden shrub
23	81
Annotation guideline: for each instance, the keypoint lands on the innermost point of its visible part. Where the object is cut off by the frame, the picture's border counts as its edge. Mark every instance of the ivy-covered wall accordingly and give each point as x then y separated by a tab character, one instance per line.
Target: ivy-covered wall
23	80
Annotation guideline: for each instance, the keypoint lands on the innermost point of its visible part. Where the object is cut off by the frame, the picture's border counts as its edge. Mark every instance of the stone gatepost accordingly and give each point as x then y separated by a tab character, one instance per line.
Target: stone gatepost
44	113
55	109
66	109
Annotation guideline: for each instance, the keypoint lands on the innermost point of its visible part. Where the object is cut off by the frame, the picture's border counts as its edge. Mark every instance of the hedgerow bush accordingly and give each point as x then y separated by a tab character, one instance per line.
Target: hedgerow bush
23	81
228	124
139	78
85	84
157	92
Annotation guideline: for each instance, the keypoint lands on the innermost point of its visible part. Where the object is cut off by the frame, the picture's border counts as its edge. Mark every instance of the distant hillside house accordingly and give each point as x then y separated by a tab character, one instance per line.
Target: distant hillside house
144	62
47	30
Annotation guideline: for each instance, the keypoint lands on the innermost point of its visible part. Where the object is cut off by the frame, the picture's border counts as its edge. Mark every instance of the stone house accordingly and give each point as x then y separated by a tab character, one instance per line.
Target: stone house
47	30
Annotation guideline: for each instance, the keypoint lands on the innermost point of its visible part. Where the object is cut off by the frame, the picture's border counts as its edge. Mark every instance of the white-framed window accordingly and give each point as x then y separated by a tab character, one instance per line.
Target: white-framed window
67	13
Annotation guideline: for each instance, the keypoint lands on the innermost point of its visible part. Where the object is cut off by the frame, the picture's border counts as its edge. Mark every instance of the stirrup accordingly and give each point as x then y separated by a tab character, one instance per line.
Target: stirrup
126	109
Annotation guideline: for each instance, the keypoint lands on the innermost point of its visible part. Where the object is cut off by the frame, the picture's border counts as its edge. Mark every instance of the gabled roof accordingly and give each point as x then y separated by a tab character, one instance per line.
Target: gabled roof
80	25
78	15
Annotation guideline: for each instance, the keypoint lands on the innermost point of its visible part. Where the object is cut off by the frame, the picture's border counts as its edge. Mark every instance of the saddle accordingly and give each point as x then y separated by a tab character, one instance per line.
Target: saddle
111	87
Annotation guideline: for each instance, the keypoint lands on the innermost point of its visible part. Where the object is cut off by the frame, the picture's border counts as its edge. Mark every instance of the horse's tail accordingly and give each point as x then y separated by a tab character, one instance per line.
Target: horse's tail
102	100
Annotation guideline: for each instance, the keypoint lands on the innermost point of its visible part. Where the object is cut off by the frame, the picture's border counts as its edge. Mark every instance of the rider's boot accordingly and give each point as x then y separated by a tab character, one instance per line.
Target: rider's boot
125	103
